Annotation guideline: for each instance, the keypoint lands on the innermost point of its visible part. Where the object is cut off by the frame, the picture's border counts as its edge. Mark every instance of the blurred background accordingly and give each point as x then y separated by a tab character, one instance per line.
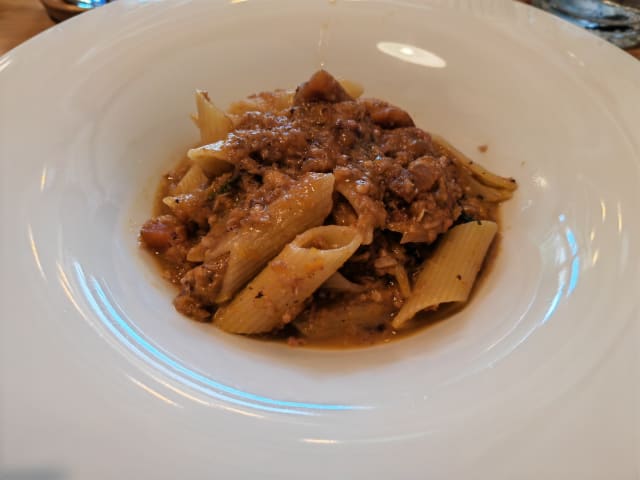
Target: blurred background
22	19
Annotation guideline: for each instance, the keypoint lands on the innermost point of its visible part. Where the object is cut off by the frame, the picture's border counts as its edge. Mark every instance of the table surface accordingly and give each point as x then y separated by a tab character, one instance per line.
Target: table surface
22	19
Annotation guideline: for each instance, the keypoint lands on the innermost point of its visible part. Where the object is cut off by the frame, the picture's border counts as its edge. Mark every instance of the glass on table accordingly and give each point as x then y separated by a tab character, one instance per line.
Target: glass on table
616	21
87	3
59	10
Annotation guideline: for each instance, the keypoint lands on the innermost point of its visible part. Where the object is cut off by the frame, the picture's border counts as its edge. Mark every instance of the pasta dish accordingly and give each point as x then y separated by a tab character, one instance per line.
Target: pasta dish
317	215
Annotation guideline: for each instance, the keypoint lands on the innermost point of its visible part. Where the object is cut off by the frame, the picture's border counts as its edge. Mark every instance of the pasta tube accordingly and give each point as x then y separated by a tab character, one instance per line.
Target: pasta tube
192	180
276	296
489	194
371	213
343	320
353	89
339	283
211	158
306	204
214	125
488	178
263	102
449	274
280	100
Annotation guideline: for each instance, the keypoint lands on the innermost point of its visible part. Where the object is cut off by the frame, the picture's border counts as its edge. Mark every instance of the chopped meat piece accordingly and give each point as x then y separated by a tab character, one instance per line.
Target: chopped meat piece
403	186
425	172
160	233
386	115
321	87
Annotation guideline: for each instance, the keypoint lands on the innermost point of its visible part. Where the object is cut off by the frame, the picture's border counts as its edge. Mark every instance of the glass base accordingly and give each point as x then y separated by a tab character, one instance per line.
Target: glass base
87	3
619	24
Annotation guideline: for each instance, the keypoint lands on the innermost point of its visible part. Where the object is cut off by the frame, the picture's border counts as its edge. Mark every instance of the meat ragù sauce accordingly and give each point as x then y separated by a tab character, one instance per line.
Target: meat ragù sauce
393	182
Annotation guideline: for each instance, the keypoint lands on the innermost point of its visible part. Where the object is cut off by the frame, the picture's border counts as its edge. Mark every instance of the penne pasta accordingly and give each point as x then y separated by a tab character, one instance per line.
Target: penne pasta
371	213
280	100
211	158
353	89
344	319
173	201
305	205
449	274
275	101
192	180
212	122
278	293
489	194
339	283
485	176
403	280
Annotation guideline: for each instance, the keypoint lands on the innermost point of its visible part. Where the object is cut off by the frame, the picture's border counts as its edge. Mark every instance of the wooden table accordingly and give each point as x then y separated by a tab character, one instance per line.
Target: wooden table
22	19
19	21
